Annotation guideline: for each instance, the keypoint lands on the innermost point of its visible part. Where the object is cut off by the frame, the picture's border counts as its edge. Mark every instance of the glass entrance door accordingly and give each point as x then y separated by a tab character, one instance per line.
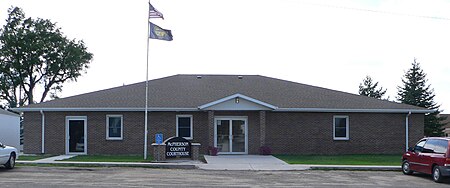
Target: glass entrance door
237	136
223	135
75	135
231	135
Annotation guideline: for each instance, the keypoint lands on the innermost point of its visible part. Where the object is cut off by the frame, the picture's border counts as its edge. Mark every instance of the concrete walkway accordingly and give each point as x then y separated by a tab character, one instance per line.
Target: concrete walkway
247	162
222	162
55	158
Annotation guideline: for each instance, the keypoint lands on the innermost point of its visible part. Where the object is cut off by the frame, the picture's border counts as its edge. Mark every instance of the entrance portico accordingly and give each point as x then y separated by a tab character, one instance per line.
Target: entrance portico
237	123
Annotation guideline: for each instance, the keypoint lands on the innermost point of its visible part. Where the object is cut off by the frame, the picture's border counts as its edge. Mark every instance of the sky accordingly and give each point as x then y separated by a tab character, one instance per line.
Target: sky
326	43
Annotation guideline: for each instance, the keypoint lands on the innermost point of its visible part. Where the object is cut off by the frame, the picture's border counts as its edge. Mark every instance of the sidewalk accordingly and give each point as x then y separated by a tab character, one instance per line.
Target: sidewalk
181	164
354	167
248	162
222	162
55	158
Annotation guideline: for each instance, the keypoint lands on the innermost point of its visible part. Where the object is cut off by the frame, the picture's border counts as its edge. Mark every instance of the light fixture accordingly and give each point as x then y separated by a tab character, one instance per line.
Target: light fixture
236	100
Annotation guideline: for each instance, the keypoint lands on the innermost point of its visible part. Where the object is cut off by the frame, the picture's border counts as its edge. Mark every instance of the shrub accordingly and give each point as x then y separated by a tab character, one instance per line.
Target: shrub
213	150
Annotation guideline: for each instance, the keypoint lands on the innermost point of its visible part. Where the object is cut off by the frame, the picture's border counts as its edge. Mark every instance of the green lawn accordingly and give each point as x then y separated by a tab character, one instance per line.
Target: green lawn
110	158
383	160
33	157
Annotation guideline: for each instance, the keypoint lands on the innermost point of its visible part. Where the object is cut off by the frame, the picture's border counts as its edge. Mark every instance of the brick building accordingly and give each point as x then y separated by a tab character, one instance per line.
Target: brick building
237	114
446	127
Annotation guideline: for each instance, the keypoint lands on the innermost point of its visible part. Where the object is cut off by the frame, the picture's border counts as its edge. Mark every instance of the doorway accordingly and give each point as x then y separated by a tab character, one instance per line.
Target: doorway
231	135
76	140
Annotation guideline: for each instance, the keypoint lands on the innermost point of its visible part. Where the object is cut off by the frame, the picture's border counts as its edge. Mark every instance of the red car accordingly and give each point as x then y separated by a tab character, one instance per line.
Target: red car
431	156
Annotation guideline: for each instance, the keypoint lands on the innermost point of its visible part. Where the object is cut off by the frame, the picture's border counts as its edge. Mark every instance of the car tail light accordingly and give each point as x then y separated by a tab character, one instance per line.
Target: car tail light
447	162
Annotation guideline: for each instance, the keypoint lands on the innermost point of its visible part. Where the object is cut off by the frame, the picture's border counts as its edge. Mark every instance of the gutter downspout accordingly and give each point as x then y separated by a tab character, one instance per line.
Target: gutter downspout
43	131
407	131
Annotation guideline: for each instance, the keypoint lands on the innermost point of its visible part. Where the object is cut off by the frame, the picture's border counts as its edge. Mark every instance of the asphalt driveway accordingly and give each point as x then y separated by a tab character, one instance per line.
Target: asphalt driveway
37	177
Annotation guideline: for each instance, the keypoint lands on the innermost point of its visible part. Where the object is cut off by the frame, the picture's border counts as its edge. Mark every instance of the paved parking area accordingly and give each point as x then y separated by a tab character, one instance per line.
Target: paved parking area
37	177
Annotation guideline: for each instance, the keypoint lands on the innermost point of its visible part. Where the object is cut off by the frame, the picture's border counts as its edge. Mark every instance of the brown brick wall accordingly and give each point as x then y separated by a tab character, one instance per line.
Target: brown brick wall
32	132
165	123
262	128
133	131
312	133
302	133
132	143
210	128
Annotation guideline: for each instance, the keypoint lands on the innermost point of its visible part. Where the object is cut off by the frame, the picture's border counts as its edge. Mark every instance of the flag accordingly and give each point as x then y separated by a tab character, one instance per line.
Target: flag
157	32
153	13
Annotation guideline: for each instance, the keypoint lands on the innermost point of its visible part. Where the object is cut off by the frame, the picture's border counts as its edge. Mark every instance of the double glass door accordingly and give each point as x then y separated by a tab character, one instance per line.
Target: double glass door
231	135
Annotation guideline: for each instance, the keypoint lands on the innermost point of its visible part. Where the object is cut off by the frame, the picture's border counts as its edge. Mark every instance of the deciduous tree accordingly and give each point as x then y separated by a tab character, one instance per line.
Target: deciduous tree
36	56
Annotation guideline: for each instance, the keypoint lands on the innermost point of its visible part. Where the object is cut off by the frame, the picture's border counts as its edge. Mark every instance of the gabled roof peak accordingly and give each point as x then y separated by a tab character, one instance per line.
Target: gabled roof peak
237	96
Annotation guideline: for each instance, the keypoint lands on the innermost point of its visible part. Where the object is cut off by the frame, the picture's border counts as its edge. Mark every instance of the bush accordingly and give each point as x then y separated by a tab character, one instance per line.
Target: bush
213	150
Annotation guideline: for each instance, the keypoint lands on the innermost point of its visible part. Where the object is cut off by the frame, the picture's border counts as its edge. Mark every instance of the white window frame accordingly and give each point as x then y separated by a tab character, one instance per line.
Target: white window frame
191	127
84	118
107	127
347	132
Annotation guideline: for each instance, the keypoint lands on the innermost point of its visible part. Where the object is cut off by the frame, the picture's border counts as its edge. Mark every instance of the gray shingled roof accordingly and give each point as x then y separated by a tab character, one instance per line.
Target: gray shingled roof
188	91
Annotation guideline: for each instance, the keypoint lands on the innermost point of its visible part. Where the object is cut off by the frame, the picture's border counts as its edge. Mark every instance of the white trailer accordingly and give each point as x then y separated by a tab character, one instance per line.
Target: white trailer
10	128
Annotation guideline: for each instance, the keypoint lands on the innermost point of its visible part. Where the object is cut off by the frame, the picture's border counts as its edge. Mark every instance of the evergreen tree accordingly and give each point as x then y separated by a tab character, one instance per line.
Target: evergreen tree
415	91
368	88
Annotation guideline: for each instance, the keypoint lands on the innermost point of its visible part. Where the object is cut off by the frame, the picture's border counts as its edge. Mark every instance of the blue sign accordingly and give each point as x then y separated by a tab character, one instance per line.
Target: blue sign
159	138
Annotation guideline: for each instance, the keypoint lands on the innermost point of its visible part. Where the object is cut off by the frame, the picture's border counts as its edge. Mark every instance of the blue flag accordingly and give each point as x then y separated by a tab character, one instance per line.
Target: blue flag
159	33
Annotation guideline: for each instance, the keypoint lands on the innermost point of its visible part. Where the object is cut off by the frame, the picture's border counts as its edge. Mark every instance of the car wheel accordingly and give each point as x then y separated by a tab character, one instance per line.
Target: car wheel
11	162
406	168
437	177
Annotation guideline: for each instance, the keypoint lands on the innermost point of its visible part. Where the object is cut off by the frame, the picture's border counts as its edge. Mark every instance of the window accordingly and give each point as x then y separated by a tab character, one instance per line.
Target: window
114	127
340	128
184	126
436	146
419	146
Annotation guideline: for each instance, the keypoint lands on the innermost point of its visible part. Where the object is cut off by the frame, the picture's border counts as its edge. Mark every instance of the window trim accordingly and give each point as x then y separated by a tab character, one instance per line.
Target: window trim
107	127
191	126
347	128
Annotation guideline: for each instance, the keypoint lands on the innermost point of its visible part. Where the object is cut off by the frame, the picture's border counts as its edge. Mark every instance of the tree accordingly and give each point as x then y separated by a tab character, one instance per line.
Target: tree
368	88
415	91
36	56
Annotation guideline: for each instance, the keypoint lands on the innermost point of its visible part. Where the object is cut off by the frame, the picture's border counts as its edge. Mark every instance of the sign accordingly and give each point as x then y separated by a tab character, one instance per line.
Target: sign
178	147
159	138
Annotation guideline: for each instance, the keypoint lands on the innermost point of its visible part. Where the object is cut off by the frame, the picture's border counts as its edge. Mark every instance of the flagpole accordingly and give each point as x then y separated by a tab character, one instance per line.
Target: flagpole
146	90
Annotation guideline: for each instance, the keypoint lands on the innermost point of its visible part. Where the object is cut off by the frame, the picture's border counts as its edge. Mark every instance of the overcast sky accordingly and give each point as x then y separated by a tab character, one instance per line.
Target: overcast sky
326	43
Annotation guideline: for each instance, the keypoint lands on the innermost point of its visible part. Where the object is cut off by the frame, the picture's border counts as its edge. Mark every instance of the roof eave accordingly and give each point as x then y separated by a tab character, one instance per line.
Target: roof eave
103	109
337	110
330	110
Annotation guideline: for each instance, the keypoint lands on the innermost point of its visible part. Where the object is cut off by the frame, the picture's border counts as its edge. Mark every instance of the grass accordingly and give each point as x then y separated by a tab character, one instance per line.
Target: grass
382	160
56	165
33	157
110	158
